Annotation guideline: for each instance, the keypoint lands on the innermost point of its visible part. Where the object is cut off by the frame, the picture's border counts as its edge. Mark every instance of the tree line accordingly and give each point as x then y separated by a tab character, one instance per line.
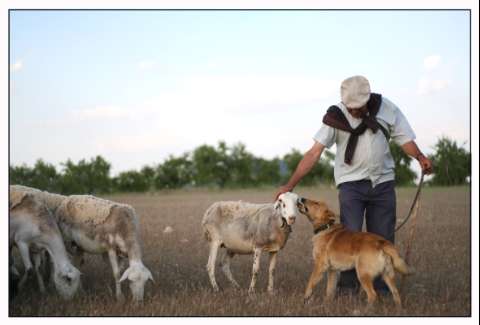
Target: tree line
223	166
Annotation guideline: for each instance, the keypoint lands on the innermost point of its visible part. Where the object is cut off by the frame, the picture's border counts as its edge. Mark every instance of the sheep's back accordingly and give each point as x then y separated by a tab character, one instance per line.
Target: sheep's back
86	209
227	211
51	200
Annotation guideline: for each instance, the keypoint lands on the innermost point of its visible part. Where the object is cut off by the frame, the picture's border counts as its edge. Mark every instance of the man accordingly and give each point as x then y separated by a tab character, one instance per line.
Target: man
361	126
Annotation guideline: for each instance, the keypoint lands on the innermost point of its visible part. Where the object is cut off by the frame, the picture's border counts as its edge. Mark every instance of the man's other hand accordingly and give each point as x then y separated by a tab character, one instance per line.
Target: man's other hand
425	164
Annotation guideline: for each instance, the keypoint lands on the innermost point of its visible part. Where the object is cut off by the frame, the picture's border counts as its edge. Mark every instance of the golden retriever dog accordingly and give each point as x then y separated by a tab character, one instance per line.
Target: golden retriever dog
336	248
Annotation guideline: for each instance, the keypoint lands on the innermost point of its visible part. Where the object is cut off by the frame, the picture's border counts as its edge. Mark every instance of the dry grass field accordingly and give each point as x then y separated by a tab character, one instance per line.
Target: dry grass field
440	255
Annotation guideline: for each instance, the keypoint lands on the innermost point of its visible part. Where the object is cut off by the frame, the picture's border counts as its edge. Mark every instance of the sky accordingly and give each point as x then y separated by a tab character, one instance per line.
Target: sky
137	86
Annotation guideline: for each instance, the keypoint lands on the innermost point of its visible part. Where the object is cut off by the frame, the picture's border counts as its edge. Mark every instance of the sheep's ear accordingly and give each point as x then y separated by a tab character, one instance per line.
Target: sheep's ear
276	206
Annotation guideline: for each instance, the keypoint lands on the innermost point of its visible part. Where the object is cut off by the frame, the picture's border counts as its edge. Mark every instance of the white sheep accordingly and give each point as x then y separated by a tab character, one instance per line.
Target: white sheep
52	201
99	226
32	226
246	228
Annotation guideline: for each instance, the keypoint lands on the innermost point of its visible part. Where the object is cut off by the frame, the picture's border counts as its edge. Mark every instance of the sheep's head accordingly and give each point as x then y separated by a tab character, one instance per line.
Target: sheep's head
67	281
287	205
137	274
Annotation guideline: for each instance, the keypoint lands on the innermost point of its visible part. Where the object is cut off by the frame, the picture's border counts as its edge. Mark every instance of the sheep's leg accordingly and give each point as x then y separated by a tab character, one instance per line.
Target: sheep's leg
79	257
211	263
23	248
227	258
48	268
75	252
37	262
116	274
122	264
256	266
271	270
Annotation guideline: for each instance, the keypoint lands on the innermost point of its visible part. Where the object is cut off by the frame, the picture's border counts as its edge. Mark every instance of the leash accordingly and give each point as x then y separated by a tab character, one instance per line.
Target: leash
411	235
414	204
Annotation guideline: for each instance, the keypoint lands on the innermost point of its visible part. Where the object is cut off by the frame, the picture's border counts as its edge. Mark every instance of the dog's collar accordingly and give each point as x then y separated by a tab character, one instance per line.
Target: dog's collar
323	227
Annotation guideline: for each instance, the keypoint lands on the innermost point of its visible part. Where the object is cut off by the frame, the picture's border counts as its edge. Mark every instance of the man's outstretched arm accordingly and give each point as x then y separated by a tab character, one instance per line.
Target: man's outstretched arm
310	158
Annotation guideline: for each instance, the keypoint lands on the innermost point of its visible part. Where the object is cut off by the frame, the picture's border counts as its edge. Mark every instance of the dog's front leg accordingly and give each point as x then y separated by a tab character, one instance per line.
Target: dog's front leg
315	277
331	284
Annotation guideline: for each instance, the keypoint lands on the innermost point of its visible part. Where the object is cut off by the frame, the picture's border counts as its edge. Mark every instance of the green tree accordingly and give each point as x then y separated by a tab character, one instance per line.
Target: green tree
240	162
291	160
86	177
21	175
321	172
452	163
403	174
43	176
174	172
210	165
149	174
266	172
131	181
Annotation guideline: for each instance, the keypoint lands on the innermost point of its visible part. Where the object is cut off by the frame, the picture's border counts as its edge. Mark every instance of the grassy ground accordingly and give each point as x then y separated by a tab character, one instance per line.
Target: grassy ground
441	257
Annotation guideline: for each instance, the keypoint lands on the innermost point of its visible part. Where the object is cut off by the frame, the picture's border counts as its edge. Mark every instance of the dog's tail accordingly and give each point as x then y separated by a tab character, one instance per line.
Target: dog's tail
398	263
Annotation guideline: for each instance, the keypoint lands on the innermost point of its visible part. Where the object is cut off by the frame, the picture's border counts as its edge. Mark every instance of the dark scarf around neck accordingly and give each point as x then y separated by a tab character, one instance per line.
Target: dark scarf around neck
336	119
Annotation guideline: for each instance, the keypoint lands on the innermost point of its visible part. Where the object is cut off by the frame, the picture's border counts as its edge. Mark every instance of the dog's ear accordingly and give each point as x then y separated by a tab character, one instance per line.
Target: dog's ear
301	205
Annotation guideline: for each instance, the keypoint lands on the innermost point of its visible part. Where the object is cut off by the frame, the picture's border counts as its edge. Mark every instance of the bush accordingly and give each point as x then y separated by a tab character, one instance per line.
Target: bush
451	163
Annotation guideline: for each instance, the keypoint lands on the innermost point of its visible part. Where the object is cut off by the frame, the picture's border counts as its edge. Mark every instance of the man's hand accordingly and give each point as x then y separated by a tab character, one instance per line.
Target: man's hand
425	164
411	149
283	189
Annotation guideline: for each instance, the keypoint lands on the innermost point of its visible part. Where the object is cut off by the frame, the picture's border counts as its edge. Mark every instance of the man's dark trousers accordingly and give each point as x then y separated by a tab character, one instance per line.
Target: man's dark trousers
378	205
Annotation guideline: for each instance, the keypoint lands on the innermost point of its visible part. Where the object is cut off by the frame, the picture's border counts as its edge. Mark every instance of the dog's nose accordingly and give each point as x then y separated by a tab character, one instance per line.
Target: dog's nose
291	220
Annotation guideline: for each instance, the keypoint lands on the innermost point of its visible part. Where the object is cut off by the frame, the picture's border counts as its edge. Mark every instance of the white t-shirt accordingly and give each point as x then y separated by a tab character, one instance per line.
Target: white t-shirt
372	159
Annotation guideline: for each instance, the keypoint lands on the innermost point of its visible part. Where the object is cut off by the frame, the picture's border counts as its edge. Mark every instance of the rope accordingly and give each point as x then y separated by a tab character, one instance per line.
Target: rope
413	212
414	203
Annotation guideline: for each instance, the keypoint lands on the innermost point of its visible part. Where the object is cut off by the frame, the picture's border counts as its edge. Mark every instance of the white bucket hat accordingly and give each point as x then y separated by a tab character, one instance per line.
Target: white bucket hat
355	91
